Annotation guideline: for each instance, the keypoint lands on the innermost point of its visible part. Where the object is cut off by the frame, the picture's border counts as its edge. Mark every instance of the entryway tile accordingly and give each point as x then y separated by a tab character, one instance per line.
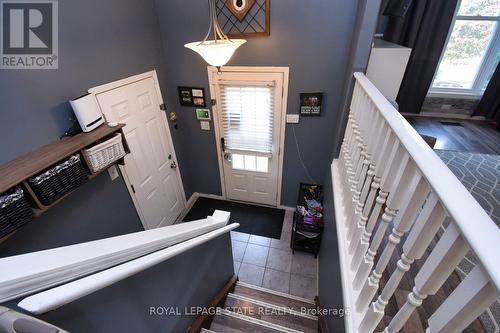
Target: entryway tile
239	236
279	260
256	255
238	250
303	286
276	280
283	243
259	240
252	274
236	265
304	264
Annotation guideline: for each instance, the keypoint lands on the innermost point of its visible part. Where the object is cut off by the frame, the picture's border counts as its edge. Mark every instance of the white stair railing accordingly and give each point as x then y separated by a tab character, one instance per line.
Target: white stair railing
28	273
56	297
388	180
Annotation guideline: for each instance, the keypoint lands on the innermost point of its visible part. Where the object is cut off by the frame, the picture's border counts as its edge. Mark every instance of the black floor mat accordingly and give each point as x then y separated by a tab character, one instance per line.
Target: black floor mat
255	220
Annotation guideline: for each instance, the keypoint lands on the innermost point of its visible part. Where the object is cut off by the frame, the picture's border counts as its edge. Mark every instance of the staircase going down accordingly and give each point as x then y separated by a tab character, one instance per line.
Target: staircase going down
255	309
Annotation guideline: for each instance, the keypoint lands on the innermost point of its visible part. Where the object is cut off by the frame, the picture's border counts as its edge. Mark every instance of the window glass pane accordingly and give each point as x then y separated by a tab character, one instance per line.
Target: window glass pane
250	163
466	47
262	163
238	161
479	7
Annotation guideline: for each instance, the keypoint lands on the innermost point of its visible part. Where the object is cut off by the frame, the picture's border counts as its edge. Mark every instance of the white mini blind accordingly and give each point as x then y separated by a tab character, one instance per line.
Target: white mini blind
247	117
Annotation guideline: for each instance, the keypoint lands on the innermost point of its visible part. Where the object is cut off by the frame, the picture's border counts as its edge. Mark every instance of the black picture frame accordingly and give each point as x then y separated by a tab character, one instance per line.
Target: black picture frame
310	104
192	96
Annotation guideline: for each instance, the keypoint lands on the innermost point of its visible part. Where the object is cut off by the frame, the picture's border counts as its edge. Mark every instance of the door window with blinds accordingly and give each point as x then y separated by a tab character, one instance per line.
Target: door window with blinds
247	124
248	117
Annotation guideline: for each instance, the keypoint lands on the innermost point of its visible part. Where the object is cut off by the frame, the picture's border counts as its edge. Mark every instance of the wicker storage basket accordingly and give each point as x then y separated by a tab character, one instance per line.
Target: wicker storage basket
59	180
100	156
15	211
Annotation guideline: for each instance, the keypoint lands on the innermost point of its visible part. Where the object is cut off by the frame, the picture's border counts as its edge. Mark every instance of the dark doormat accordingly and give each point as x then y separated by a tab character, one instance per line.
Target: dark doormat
255	220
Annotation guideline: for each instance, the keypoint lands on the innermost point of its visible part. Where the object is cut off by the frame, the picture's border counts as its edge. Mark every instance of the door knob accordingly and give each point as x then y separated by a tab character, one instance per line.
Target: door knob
173	165
227	157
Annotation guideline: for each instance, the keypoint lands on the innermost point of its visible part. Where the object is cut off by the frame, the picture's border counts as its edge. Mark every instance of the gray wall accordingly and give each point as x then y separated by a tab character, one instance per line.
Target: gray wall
125	306
330	287
366	21
99	41
312	37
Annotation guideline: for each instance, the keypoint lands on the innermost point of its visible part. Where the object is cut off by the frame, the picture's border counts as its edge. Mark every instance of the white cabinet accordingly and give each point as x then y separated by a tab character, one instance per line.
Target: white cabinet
387	66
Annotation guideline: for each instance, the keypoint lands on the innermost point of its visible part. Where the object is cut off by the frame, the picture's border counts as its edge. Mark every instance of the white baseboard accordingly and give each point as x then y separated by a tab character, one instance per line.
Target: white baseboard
211	196
292	209
192	199
443	116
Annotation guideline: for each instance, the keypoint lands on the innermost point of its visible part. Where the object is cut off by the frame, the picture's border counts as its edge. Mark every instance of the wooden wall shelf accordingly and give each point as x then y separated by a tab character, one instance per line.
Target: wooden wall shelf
36	161
17	172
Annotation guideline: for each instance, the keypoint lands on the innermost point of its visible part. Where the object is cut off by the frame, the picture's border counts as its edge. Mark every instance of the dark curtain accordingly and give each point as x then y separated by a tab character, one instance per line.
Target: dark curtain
422	25
489	105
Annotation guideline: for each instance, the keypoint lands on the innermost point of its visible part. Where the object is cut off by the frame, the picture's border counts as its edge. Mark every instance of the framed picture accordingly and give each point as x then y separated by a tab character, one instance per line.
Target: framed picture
244	19
192	96
310	104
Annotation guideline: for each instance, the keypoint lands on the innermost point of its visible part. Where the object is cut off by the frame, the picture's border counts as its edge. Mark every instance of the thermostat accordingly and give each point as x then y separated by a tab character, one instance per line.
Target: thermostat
203	114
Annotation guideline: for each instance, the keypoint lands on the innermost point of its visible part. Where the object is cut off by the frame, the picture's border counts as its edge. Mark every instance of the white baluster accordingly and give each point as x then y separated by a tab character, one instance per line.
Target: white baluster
399	166
358	162
410	192
448	252
347	145
350	137
363	207
359	219
427	224
465	303
374	151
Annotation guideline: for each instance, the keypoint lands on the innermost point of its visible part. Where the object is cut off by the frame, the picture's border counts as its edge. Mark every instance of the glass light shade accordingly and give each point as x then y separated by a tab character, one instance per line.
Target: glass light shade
216	54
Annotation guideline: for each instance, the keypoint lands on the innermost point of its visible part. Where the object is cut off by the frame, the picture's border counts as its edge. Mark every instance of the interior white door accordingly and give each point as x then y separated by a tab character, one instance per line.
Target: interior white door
249	107
151	168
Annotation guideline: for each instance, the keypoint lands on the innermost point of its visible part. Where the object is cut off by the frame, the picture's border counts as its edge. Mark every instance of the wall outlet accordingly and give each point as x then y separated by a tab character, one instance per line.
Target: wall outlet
292	118
205	125
113	172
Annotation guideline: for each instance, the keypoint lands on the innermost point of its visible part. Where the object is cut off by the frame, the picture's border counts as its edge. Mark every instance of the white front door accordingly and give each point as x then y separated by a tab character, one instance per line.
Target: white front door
249	115
150	170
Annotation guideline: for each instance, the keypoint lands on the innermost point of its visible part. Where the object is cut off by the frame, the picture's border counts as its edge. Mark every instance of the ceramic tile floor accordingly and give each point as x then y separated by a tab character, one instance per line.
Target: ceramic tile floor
269	263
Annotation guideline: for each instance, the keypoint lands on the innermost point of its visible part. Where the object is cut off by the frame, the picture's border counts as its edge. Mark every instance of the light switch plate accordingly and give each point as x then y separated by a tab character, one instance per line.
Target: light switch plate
113	172
205	125
292	118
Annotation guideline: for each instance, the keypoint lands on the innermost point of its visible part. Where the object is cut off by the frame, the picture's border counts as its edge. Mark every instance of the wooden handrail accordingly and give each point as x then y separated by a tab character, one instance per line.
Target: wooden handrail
477	227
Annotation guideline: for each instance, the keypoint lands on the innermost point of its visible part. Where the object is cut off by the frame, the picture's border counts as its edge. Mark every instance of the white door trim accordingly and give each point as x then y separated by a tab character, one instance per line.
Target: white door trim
123	82
257	69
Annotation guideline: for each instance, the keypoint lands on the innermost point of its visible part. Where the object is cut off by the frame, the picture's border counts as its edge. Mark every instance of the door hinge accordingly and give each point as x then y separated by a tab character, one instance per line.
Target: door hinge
214	102
132	187
163	107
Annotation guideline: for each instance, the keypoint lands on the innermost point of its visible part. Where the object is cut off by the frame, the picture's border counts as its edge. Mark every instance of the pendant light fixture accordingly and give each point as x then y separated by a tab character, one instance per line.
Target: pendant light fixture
218	51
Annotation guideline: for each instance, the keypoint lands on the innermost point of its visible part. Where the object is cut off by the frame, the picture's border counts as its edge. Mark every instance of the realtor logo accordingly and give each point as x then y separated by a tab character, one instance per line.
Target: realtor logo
29	36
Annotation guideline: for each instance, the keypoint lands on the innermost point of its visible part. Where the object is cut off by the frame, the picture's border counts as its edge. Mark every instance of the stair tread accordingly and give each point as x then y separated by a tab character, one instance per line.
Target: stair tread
230	322
271	313
274	298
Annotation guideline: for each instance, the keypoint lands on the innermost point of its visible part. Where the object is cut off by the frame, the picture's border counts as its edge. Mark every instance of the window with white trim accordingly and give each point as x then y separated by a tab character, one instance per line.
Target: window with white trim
472	50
